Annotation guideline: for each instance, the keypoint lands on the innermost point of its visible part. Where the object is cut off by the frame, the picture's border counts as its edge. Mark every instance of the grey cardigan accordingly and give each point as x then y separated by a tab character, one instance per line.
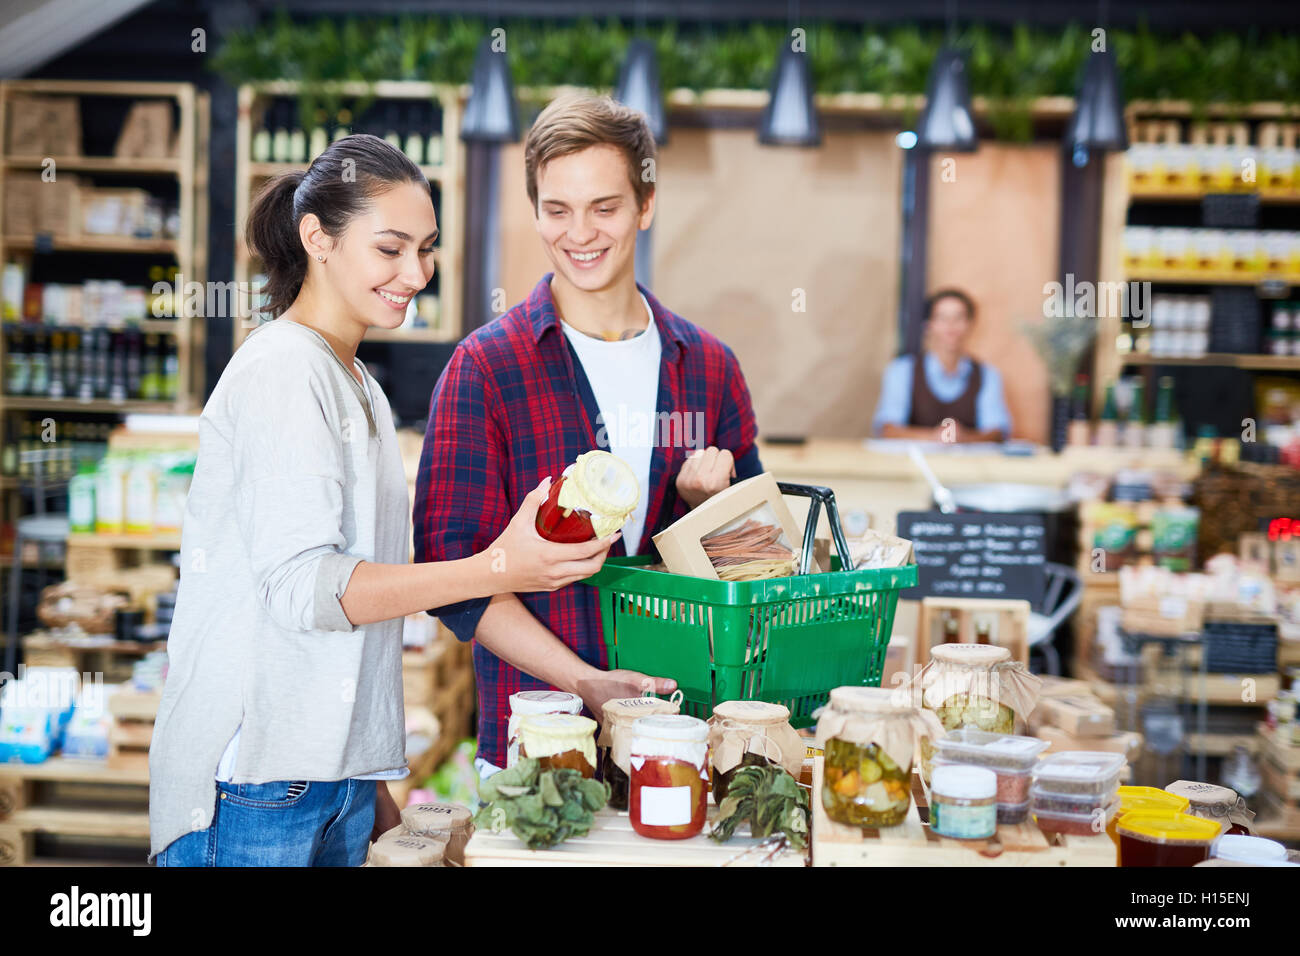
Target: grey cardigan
298	480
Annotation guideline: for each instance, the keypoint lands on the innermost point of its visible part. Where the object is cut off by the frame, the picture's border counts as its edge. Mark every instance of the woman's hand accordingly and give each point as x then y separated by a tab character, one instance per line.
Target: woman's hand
387	815
525	561
704	473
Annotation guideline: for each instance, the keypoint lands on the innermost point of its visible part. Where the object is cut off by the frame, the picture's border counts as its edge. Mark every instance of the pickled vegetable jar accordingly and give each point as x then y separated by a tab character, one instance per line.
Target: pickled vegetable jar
1162	838
868	737
1220	804
615	739
974	685
592	499
559	742
751	733
535	702
669	757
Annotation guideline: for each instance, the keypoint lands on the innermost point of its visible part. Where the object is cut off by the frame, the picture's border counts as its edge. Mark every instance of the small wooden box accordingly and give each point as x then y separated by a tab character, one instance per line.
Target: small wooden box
1007	622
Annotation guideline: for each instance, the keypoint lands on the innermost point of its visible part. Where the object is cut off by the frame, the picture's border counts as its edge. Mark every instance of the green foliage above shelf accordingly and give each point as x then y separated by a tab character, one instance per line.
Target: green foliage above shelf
1011	67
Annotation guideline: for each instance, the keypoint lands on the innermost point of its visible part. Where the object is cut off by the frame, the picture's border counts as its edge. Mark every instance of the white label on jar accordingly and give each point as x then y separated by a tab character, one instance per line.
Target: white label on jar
964	822
665	806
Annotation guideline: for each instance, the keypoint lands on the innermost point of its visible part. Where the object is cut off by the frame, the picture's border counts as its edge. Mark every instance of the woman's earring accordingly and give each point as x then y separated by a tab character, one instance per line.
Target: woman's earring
320	258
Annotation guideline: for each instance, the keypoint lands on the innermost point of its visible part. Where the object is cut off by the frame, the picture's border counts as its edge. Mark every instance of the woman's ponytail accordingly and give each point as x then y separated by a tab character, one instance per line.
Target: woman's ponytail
272	236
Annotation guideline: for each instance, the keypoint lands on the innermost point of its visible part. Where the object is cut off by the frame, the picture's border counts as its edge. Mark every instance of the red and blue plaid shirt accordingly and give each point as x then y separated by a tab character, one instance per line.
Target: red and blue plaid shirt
514	406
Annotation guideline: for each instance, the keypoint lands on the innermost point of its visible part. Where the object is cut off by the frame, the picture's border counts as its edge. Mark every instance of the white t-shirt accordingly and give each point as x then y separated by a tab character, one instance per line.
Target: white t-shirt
624	377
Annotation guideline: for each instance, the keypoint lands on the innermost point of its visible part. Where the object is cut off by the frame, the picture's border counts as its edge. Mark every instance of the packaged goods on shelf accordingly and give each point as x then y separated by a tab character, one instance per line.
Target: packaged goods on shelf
35	709
42	126
147	132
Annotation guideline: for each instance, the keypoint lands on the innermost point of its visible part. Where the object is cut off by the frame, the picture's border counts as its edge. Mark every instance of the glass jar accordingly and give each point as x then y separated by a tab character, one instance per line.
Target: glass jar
535	702
615	738
745	733
448	821
1220	804
559	742
964	802
1162	838
591	499
669	757
974	685
868	737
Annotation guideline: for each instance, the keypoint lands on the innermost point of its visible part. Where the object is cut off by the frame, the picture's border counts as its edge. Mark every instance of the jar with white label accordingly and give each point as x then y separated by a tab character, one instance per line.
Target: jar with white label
669	756
535	702
963	802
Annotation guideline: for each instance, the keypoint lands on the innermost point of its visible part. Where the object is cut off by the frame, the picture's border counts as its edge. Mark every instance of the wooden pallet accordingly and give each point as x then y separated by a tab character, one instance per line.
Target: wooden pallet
613	842
912	843
132	731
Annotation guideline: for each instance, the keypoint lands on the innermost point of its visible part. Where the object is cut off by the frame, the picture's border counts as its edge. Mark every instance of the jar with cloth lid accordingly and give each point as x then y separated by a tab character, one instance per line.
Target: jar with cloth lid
449	821
527	702
616	737
559	742
1220	804
751	733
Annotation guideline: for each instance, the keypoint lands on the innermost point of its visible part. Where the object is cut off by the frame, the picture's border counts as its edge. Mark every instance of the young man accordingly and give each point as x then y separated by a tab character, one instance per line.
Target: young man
590	360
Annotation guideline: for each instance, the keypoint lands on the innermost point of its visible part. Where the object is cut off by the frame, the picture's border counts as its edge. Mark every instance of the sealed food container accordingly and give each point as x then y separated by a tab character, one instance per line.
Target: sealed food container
1215	803
1091	823
963	802
976	686
1161	838
615	739
1078	803
1079	772
559	742
535	702
1248	849
748	733
448	821
1144	798
1012	813
1011	757
868	738
669	757
592	499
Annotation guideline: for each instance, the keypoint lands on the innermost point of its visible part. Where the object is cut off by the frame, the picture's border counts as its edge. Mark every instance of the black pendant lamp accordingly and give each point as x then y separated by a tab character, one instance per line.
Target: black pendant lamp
638	87
789	118
947	124
1098	122
490	114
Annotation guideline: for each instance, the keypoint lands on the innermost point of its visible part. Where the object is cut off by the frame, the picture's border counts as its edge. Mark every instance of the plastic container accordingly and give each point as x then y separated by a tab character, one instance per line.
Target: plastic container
1084	803
1081	772
1248	849
592	499
1160	838
1091	823
527	702
978	748
1139	799
963	802
1013	813
668	797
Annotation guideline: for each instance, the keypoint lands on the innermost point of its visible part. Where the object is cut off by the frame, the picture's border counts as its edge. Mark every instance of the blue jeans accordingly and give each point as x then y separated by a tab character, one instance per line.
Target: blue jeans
316	823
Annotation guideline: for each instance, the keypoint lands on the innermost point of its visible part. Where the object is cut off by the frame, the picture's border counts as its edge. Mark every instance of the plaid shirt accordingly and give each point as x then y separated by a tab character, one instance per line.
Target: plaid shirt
514	406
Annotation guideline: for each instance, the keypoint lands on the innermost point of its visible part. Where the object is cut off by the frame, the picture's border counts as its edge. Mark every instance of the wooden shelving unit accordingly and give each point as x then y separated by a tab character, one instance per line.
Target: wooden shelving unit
448	176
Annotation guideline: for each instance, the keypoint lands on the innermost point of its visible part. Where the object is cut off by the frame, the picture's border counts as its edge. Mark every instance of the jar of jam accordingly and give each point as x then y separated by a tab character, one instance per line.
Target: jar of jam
1220	804
669	757
868	736
535	702
748	733
592	499
616	738
1162	838
1140	799
559	742
448	821
974	685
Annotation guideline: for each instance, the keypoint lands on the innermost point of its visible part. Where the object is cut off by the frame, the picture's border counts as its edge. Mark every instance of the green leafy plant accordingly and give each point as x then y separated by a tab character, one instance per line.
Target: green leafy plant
541	807
769	799
1061	341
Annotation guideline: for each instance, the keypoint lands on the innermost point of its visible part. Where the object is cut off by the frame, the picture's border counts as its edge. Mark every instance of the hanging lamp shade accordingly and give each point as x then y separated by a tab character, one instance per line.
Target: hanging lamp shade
1098	121
490	114
638	87
947	123
790	119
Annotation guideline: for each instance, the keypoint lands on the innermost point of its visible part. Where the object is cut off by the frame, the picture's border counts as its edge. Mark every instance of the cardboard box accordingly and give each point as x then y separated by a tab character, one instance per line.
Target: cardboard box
1064	687
758	497
1127	743
21	196
1082	715
58	207
147	132
44	126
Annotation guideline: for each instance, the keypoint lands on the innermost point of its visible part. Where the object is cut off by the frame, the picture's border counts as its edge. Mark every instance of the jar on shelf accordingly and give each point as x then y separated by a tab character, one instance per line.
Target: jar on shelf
616	738
1220	804
449	821
868	738
973	685
964	802
669	757
527	702
746	733
591	499
559	742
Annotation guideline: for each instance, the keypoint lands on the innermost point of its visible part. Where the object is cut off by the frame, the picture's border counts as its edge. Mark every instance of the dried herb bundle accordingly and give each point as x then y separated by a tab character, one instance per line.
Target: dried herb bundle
541	808
769	799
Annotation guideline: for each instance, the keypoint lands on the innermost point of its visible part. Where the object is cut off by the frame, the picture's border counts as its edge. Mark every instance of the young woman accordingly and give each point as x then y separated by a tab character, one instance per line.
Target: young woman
282	712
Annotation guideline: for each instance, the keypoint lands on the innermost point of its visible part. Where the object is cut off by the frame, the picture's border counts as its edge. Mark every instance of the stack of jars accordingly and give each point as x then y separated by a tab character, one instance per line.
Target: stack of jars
1076	791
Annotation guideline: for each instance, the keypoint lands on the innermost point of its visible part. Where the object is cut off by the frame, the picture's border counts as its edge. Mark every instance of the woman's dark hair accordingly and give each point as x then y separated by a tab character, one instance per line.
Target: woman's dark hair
957	294
338	185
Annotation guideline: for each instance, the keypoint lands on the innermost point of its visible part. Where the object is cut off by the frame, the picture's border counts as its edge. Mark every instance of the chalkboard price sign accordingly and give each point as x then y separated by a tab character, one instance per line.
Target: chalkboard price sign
976	554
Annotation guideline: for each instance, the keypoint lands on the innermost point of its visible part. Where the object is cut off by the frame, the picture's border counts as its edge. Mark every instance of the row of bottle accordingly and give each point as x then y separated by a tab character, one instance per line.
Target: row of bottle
414	127
91	363
1134	429
70	444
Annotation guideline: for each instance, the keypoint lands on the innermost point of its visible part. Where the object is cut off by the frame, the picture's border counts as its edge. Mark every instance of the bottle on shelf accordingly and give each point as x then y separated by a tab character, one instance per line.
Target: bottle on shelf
71	361
391	135
414	143
1135	428
262	137
9	451
1080	428
297	137
117	368
171	370
151	376
17	373
1162	432
1108	426
320	139
280	133
342	125
55	387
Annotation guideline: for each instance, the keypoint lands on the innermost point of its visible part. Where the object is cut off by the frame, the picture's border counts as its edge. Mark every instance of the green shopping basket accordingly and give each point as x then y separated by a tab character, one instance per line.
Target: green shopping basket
787	640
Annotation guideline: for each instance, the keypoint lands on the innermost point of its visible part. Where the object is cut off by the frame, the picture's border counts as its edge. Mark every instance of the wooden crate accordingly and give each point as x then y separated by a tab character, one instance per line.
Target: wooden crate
613	842
912	843
132	731
1009	621
1099	590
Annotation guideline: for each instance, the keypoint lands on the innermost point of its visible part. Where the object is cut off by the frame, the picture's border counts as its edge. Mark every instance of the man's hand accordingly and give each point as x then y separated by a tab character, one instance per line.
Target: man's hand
611	685
387	815
704	473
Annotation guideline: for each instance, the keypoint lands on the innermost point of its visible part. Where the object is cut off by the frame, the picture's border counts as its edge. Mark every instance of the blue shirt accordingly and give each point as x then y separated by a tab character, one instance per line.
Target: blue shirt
895	405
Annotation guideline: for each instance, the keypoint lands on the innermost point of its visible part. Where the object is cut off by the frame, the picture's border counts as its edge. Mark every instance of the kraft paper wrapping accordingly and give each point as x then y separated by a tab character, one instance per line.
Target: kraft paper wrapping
731	737
895	732
618	714
987	675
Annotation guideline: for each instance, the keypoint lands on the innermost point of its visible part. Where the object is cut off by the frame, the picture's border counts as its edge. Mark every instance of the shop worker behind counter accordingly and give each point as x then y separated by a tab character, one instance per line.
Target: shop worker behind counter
954	386
590	360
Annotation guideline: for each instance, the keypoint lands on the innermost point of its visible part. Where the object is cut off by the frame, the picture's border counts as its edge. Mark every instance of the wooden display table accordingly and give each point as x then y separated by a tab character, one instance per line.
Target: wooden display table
912	843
